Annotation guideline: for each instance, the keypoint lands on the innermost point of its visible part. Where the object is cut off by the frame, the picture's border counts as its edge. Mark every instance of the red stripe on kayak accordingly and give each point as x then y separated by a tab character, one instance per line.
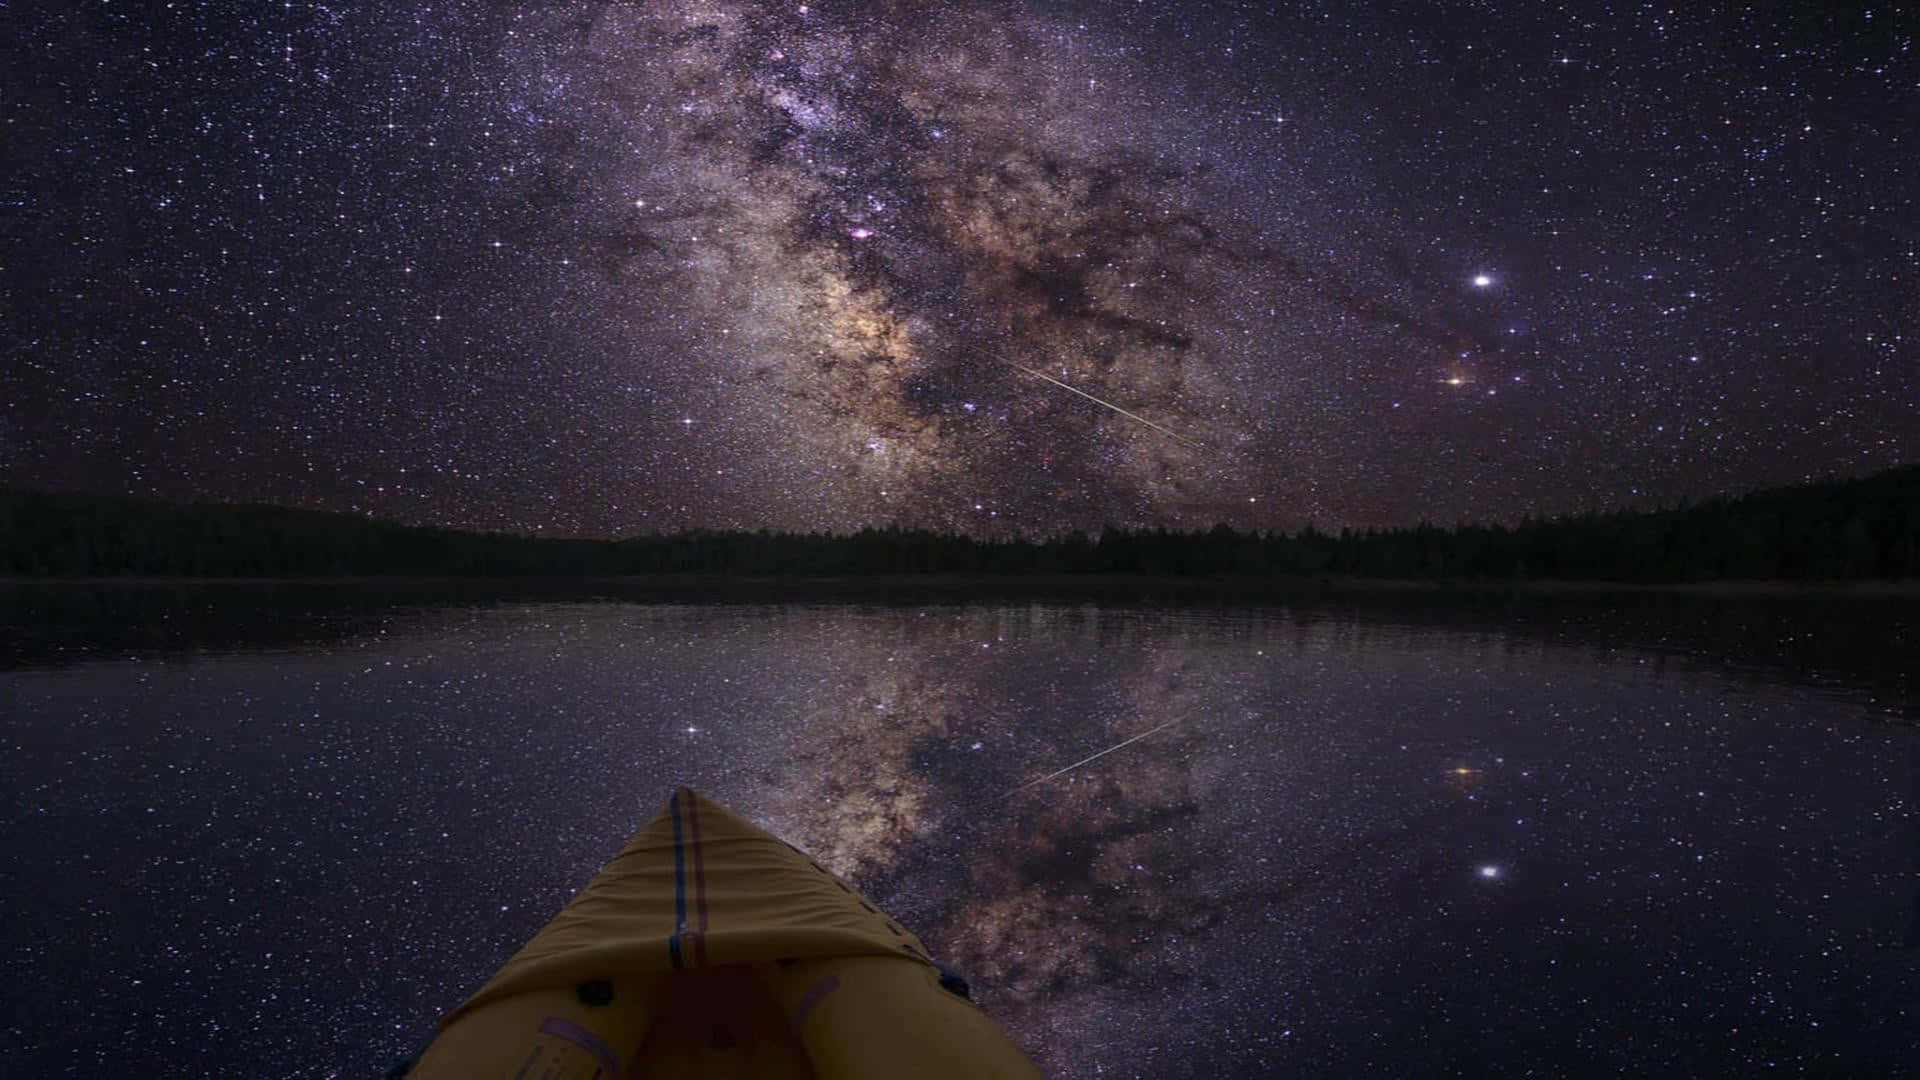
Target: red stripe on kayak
699	886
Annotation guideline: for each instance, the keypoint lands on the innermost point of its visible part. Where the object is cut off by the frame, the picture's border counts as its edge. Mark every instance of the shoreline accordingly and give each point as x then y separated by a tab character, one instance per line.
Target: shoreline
998	584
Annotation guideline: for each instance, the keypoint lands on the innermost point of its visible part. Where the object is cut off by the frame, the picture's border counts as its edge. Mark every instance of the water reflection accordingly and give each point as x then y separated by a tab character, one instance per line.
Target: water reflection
1341	844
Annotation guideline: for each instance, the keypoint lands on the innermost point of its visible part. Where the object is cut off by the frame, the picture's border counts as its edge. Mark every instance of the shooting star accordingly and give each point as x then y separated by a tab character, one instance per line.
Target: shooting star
1090	757
1162	429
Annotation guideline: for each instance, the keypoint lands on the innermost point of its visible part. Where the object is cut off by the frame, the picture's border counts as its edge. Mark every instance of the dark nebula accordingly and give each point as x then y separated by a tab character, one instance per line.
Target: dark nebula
614	267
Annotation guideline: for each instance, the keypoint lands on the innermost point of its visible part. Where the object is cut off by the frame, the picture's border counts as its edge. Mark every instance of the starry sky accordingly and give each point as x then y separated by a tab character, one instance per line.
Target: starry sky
617	267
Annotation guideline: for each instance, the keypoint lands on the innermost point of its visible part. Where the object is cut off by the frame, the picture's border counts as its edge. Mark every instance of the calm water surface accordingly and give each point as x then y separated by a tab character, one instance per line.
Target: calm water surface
275	833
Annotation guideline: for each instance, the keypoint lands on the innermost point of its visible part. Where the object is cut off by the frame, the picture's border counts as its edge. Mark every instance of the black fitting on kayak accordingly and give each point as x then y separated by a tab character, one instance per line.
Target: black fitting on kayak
952	983
594	993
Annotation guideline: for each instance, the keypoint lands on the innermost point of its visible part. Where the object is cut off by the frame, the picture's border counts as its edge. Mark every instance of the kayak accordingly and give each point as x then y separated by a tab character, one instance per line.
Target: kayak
709	947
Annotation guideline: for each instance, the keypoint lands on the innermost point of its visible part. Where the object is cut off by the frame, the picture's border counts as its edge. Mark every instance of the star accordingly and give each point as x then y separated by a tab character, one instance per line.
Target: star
1481	281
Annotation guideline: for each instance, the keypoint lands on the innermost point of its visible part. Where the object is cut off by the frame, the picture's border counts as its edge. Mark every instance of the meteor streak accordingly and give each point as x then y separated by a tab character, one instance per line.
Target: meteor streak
1091	757
1176	437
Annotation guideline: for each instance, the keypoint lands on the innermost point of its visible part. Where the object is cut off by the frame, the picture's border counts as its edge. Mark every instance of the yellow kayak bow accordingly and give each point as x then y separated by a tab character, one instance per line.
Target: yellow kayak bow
711	948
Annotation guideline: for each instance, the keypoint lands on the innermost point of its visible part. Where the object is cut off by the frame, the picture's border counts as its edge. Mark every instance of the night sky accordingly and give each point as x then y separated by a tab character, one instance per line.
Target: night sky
610	267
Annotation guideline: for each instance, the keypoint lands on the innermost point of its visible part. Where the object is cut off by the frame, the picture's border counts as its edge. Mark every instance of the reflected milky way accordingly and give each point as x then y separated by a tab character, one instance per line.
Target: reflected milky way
325	845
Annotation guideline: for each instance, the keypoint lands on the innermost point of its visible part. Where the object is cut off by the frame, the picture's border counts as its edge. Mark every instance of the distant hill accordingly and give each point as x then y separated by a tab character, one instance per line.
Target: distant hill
1845	530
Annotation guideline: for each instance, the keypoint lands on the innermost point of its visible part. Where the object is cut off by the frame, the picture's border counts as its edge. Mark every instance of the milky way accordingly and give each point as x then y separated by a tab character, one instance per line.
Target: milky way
617	267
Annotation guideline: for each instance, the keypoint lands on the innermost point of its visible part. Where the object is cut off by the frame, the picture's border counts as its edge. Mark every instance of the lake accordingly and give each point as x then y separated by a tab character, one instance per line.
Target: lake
277	830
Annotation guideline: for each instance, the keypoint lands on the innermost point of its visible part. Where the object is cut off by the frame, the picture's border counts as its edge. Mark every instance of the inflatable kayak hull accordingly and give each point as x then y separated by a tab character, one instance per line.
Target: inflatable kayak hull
708	947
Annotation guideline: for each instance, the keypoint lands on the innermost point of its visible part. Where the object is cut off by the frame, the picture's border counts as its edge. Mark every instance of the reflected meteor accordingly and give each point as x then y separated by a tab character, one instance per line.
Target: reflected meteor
1090	757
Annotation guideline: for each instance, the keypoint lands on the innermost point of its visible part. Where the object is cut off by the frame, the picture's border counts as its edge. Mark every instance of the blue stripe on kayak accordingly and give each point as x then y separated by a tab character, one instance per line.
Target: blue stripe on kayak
679	882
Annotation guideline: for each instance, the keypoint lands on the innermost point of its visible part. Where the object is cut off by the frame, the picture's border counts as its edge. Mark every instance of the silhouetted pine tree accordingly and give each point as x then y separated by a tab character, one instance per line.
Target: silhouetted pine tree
1868	528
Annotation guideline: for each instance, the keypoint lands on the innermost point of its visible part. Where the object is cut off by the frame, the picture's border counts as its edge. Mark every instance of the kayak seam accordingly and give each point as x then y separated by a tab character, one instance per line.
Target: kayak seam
679	884
699	885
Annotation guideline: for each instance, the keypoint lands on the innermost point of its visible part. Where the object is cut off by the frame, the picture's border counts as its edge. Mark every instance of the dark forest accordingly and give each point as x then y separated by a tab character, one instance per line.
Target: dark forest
1845	530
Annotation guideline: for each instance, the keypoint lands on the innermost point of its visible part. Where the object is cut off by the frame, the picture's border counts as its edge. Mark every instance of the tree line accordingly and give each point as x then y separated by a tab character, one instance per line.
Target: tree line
1845	530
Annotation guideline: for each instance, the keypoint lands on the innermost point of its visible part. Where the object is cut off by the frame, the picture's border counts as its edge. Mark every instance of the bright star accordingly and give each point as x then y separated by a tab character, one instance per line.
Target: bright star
1490	872
1481	281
